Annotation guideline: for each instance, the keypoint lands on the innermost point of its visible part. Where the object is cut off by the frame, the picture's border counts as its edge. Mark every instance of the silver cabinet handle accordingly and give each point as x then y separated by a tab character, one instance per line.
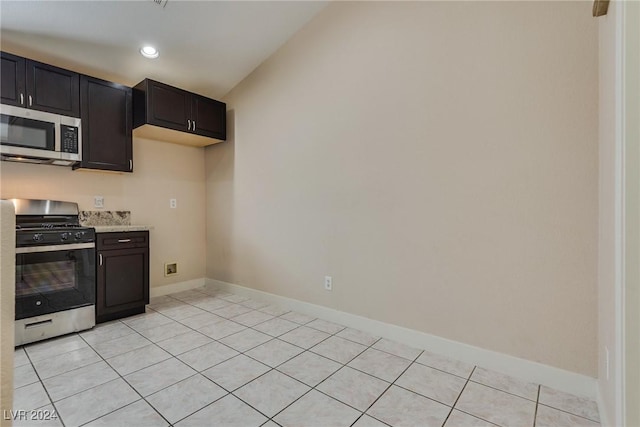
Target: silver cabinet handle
30	101
130	165
188	124
194	125
100	256
21	99
124	240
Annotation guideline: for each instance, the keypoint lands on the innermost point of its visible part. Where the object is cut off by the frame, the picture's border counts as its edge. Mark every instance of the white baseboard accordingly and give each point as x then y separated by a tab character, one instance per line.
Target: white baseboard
559	379
158	291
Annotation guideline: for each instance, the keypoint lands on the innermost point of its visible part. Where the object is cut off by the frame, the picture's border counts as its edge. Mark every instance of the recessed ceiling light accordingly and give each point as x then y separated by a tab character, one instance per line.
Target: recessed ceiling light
149	52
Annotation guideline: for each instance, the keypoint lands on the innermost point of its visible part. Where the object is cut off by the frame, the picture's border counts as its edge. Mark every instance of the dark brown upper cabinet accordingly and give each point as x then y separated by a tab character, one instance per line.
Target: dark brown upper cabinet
43	87
167	113
106	125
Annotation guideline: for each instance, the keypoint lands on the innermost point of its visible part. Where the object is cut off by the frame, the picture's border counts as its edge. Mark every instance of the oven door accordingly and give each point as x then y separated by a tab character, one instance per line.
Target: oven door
54	278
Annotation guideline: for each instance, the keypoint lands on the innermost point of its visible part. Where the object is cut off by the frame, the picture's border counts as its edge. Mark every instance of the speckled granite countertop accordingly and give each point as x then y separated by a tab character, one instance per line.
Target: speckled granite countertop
120	228
110	221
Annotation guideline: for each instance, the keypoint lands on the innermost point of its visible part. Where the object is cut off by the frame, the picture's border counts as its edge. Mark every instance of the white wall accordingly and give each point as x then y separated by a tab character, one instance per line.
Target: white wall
438	159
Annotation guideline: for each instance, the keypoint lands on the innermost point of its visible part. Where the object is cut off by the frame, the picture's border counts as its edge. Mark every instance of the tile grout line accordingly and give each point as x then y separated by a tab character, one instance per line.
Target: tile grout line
459	395
535	414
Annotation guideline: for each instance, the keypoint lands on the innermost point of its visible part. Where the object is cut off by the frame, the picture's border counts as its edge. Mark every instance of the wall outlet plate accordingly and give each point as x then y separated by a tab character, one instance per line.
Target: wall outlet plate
173	203
328	283
98	202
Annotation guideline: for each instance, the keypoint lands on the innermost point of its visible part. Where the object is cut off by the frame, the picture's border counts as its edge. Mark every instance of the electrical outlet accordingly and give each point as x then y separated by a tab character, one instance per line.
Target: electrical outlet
170	268
98	202
173	203
328	283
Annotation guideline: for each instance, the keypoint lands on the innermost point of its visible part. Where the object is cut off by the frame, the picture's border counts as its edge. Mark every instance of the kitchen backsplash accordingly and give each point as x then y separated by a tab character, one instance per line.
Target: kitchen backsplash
93	218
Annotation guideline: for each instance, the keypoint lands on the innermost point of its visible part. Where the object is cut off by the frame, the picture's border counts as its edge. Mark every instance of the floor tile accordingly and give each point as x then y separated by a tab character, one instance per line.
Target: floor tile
53	347
496	406
187	295
550	417
186	397
314	409
182	312
252	318
274	310
166	305
276	327
164	299
120	345
163	332
325	326
380	364
79	380
243	341
95	402
397	349
367	421
211	304
30	396
61	363
255	304
230	311
309	368
271	392
505	383
139	413
228	412
236	372
221	329
146	321
235	298
460	419
357	336
184	342
140	358
156	377
24	375
274	352
338	349
106	332
437	385
353	387
304	337
207	355
445	364
200	320
569	403
20	357
399	407
296	317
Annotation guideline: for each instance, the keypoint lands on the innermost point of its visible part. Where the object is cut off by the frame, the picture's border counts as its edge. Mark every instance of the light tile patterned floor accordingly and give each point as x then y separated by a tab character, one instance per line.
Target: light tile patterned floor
210	358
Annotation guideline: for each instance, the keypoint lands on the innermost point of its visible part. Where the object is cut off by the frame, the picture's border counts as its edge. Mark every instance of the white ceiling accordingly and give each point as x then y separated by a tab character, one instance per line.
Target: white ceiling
205	46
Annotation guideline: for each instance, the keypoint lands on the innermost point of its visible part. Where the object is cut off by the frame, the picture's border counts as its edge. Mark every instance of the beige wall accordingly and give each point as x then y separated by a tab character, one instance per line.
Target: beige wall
161	171
439	160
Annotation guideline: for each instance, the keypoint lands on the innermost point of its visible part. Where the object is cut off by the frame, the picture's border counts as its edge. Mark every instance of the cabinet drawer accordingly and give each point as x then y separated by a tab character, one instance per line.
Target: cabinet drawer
125	240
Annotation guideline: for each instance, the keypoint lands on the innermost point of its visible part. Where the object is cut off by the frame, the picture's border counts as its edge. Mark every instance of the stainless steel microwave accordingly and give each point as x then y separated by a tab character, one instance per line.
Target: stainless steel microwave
38	137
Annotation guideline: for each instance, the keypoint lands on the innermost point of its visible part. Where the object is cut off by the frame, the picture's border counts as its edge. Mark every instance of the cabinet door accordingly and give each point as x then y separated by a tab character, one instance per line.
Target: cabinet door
12	87
53	89
168	107
122	282
106	125
209	116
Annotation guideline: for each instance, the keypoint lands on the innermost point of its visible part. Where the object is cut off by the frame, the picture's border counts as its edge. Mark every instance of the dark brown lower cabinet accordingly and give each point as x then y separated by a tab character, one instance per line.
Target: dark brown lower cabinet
123	274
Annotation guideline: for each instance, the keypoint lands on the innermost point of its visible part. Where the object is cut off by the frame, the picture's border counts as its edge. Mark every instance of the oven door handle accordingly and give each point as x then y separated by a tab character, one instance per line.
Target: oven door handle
54	248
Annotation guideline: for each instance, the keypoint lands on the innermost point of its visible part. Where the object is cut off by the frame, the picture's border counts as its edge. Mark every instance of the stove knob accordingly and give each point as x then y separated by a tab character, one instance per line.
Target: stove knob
64	236
38	237
79	234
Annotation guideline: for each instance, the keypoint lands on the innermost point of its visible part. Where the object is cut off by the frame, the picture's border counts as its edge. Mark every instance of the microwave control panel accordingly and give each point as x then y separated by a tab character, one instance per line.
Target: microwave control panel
69	139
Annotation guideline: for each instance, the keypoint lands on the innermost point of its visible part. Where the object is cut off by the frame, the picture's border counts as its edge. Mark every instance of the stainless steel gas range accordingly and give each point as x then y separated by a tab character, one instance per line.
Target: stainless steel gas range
55	270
